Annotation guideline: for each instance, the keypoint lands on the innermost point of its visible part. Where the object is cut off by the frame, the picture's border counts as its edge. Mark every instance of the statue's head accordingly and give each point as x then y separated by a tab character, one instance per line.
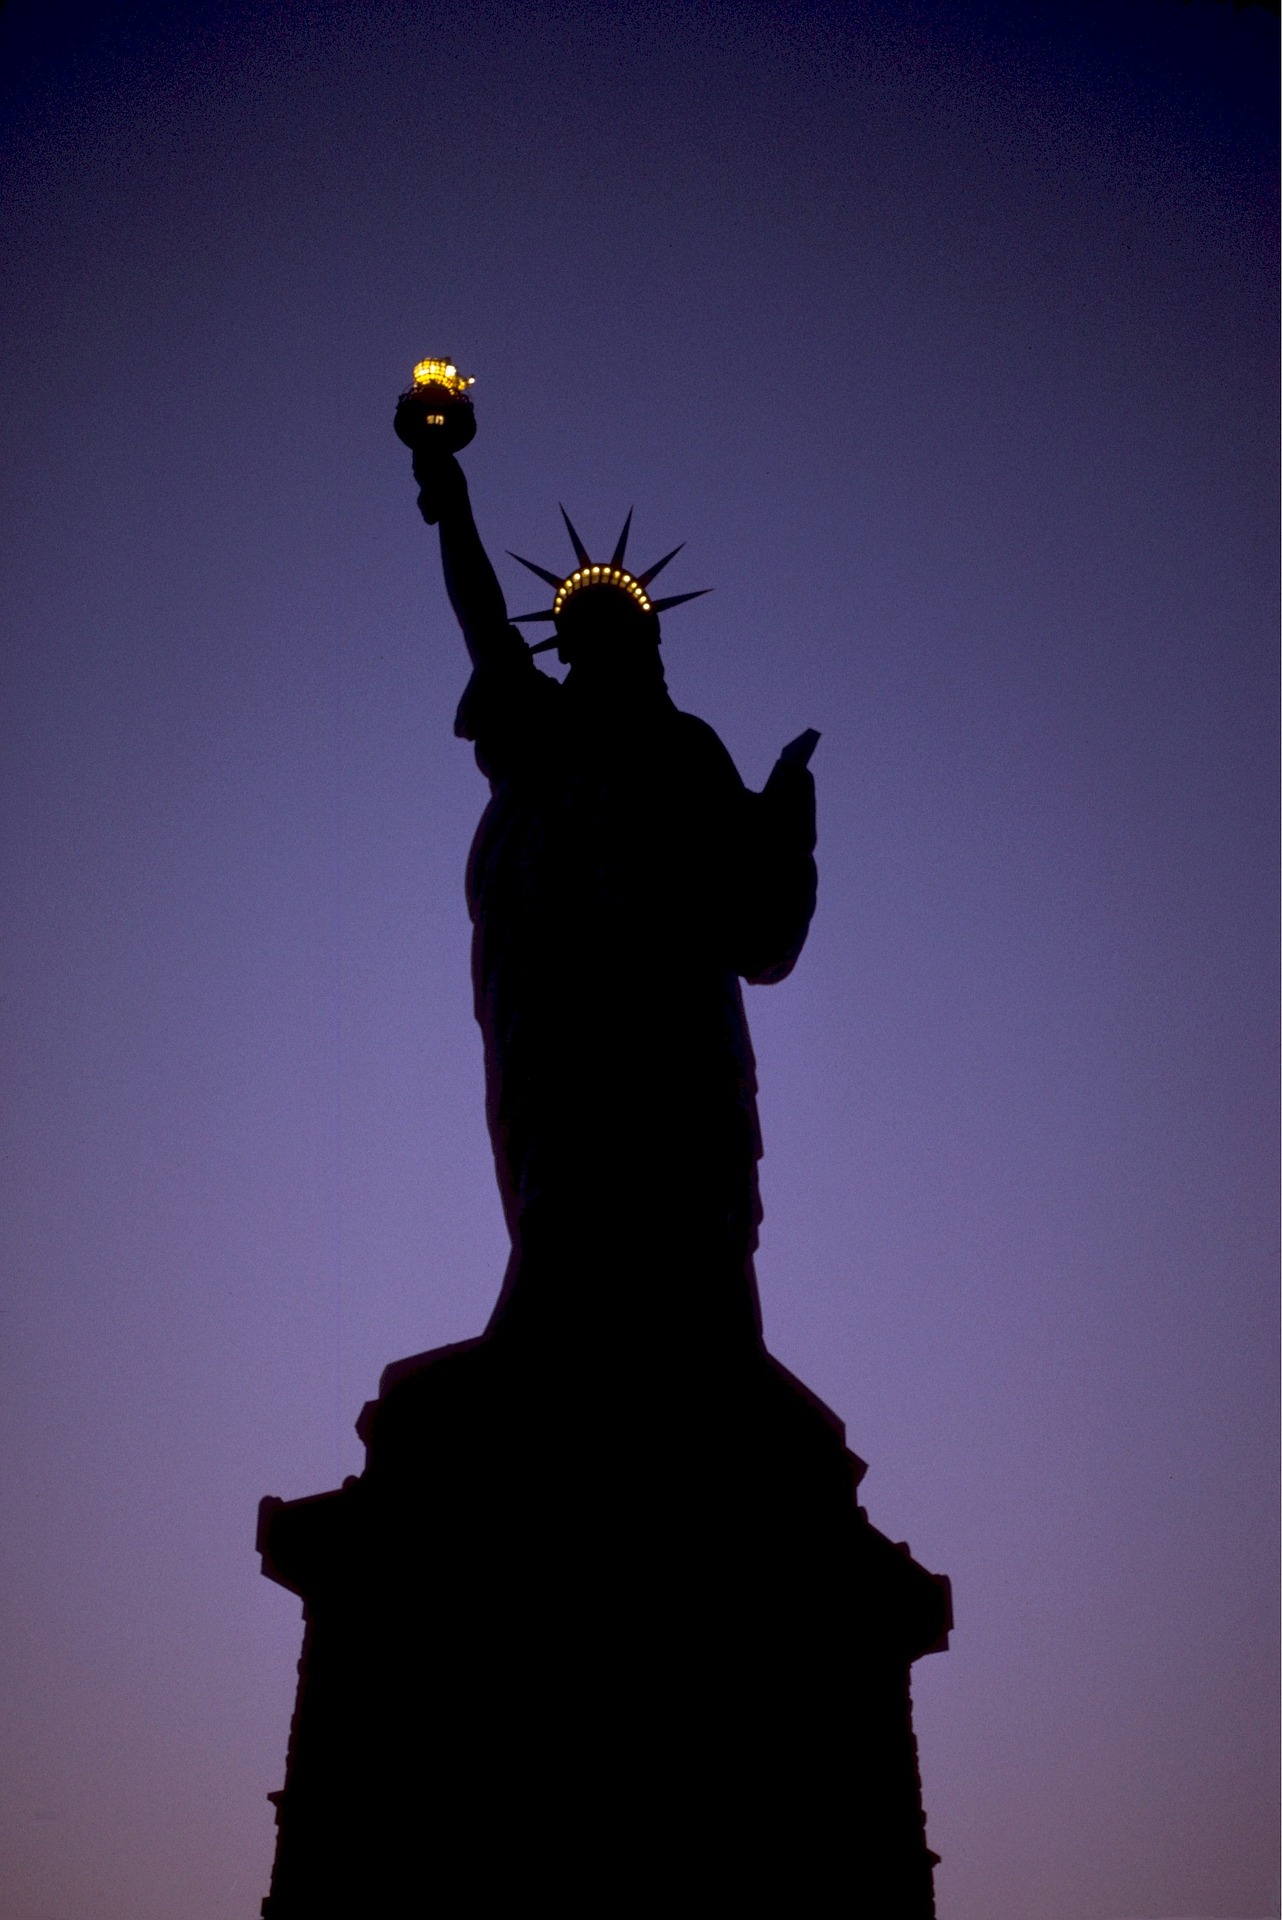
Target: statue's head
601	627
604	617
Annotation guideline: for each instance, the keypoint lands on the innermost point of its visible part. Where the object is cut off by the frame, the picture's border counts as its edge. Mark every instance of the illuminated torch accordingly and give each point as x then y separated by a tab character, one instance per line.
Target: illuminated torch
436	412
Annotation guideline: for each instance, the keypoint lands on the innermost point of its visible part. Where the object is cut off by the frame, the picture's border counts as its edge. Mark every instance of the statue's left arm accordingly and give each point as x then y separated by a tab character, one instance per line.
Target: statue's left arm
781	879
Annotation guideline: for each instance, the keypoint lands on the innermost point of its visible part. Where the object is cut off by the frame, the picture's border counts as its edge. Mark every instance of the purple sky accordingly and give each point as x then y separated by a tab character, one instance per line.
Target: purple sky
944	335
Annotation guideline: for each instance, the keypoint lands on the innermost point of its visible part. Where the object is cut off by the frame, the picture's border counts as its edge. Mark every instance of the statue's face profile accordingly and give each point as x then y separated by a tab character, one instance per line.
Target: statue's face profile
603	632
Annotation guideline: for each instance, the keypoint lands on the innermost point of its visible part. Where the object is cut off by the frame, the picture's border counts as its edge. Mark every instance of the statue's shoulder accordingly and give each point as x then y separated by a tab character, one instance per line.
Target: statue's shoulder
505	690
704	745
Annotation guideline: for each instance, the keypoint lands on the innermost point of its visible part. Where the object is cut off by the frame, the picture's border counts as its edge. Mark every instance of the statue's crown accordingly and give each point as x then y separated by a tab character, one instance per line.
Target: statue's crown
603	573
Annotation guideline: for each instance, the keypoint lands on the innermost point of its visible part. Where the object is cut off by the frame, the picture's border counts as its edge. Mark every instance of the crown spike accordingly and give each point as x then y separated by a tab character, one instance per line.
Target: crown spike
521	619
545	646
646	577
616	558
580	551
553	579
676	599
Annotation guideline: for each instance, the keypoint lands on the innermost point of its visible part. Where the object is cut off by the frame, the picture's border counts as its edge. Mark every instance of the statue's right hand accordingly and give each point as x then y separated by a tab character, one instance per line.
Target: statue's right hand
441	484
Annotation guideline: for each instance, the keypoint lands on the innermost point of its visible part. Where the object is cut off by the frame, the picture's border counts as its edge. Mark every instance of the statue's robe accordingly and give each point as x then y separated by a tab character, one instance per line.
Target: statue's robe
621	882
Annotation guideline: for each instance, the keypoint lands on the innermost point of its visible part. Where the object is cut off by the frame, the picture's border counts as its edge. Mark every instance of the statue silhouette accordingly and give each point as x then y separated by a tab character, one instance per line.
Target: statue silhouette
622	879
602	1626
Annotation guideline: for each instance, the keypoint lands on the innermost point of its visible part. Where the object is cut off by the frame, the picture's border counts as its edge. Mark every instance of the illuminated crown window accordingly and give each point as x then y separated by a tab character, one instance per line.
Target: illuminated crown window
596	573
600	577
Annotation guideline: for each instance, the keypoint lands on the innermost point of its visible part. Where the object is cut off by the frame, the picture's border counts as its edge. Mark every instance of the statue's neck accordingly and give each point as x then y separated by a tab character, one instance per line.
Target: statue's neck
637	691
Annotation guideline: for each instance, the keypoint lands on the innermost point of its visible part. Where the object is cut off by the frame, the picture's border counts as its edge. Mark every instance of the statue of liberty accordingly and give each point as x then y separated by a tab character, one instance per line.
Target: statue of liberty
601	1626
622	881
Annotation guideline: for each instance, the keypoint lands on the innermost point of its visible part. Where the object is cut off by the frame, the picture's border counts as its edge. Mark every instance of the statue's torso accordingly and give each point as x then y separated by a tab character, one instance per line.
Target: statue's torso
615	883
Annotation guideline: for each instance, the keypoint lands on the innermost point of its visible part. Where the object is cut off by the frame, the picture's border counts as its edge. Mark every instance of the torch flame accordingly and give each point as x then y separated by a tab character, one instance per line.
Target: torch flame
441	373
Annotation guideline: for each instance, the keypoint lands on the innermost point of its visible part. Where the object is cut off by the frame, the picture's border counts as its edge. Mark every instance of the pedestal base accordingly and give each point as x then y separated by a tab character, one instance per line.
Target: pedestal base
610	1645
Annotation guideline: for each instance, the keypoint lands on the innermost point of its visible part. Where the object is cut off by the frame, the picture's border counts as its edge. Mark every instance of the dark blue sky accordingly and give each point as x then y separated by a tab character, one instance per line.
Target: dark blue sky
945	336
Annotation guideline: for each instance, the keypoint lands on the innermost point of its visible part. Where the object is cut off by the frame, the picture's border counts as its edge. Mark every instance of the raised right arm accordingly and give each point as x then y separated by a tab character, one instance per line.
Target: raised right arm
470	580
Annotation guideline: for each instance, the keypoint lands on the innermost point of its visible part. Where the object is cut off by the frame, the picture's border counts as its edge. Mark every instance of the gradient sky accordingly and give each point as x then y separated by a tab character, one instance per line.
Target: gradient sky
944	335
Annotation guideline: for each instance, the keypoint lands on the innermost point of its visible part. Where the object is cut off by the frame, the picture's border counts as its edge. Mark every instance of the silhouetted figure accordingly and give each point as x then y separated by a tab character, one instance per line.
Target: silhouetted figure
601	1627
621	881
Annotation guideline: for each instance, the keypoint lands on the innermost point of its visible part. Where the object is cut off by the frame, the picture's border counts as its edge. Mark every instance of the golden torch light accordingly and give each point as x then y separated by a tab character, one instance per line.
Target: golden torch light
435	411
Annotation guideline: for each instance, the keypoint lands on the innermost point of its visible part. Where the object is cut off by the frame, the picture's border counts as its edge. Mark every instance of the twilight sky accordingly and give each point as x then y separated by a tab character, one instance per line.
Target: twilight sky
944	334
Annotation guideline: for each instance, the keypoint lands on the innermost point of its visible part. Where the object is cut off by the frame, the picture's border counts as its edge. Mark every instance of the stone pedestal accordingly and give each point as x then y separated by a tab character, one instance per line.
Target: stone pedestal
603	1641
